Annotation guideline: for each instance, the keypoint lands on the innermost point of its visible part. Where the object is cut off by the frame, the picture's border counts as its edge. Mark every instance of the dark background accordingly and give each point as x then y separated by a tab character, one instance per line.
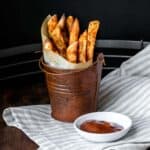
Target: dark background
20	20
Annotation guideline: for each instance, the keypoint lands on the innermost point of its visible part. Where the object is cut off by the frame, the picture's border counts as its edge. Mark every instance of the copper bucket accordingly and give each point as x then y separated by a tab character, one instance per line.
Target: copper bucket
73	92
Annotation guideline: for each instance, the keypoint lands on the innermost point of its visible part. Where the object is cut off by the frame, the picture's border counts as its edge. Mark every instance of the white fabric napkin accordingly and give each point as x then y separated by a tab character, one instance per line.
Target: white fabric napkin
125	90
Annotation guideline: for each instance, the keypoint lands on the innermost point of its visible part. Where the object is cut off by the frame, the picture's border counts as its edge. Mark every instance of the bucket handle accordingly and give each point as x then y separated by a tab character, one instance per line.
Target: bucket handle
100	62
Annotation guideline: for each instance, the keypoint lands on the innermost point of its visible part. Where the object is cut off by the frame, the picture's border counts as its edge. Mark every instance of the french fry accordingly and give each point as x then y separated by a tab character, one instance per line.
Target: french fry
65	36
62	26
82	47
59	40
74	33
61	22
65	39
48	45
92	32
69	22
52	24
71	52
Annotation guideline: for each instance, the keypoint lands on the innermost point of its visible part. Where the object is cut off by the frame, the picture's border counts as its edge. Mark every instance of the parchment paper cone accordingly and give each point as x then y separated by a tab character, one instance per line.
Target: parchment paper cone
52	58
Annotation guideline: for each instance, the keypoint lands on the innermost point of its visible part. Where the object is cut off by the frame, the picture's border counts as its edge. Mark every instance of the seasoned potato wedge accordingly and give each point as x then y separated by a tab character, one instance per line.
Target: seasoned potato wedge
59	40
82	47
71	52
61	22
92	32
69	22
62	25
51	24
49	45
74	33
65	38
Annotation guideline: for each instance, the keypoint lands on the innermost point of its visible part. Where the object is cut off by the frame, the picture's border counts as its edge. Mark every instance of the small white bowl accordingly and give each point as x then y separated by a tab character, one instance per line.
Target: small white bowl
113	117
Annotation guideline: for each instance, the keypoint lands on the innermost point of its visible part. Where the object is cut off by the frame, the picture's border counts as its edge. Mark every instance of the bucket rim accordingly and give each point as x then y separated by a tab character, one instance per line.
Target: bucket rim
100	59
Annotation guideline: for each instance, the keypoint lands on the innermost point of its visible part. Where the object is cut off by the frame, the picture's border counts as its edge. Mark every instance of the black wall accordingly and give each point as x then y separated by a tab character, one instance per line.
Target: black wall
20	20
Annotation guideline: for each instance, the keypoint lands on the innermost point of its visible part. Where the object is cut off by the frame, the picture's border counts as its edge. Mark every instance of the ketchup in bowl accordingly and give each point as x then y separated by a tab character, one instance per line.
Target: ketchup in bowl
95	126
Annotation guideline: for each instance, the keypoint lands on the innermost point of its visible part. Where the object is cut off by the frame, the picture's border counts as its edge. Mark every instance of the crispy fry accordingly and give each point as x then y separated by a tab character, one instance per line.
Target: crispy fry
92	32
69	22
74	33
61	22
48	45
52	24
65	36
71	52
62	26
82	47
59	40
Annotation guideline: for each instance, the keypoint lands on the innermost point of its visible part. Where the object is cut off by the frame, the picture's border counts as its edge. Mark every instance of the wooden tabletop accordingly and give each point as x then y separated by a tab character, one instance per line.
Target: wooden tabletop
13	139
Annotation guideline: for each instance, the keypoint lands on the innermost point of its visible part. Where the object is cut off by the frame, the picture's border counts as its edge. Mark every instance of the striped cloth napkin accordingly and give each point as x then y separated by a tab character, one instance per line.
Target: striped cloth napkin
125	90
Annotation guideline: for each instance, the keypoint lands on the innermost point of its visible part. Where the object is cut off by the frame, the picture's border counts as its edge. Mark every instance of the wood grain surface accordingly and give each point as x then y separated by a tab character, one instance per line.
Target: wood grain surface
19	94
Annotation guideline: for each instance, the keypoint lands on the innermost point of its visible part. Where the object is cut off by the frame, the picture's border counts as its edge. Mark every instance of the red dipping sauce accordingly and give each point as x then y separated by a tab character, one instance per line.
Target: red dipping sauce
95	126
